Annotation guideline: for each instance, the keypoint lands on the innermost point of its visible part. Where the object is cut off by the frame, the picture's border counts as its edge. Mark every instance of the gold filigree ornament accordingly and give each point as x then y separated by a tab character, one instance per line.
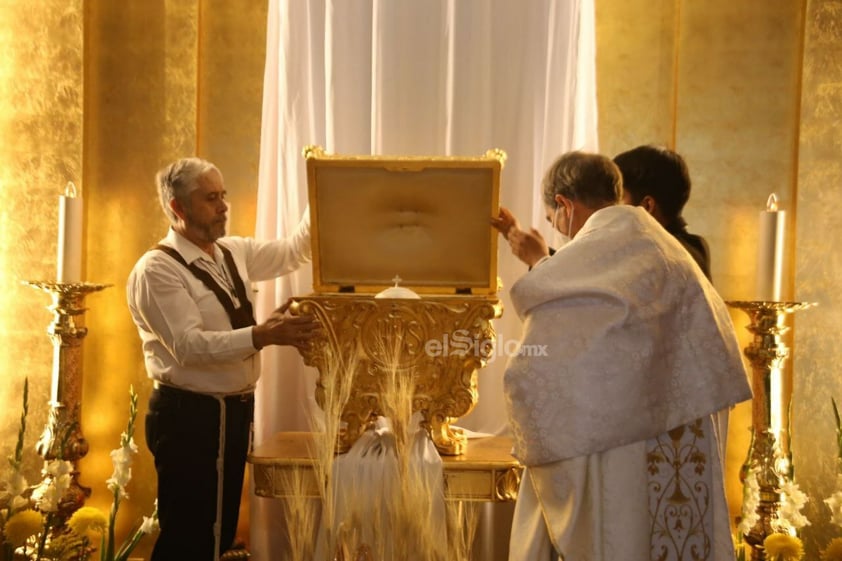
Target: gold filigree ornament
423	332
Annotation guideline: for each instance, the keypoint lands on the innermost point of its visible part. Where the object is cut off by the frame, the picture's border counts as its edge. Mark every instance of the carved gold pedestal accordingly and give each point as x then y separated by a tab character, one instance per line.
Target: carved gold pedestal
769	452
438	341
62	437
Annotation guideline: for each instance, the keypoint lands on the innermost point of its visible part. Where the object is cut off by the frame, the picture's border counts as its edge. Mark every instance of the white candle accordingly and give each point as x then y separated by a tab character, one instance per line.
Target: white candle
70	218
770	254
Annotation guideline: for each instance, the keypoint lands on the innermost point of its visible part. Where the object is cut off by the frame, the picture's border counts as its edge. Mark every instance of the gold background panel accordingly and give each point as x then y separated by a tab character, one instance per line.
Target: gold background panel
818	271
140	112
232	46
636	50
737	115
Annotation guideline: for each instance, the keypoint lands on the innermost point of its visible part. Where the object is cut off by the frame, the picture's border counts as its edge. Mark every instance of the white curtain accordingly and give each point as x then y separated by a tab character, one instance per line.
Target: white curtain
438	77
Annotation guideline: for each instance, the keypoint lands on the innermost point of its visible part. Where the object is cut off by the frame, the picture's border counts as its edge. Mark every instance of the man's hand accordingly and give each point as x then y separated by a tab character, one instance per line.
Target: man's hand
505	222
530	247
283	329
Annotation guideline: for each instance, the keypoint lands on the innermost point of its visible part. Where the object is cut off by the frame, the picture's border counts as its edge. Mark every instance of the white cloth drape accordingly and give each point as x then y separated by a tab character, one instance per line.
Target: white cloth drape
442	77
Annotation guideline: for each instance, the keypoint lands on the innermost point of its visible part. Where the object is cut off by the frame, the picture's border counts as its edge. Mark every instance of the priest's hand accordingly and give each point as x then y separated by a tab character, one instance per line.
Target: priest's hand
530	247
281	328
505	222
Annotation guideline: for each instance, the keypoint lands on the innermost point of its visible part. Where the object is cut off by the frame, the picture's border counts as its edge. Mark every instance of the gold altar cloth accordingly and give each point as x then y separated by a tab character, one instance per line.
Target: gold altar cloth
485	472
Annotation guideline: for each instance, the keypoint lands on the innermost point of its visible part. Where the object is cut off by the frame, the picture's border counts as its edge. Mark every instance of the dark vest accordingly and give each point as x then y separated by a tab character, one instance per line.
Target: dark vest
240	317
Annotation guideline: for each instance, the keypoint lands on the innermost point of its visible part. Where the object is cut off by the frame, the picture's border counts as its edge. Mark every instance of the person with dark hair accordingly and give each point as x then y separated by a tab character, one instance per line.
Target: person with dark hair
190	297
616	423
657	179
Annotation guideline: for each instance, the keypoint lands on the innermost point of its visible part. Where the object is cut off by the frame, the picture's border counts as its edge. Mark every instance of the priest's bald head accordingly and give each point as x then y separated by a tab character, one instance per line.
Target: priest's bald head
578	184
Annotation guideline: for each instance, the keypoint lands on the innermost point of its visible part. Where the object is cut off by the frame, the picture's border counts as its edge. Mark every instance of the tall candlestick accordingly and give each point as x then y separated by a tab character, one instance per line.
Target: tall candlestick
69	268
62	437
770	255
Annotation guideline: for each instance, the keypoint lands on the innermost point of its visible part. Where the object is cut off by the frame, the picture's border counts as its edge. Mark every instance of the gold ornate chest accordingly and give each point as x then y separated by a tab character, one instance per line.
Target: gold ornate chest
423	224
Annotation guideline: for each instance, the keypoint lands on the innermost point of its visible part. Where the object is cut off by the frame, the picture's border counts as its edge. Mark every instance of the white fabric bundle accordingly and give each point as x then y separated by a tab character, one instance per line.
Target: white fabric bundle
374	508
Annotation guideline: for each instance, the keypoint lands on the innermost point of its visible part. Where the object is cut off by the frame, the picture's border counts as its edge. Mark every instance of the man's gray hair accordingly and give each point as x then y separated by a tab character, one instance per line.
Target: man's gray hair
178	180
592	179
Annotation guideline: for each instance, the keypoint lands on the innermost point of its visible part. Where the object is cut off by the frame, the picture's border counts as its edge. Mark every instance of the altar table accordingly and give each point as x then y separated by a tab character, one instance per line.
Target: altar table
486	472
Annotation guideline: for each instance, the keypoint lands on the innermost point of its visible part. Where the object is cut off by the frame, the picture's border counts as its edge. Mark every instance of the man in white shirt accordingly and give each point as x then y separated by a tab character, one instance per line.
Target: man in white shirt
190	297
615	425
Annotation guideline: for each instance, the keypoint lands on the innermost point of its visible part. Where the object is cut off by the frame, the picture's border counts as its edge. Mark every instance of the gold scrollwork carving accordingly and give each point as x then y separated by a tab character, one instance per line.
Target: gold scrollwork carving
439	341
497	154
507	484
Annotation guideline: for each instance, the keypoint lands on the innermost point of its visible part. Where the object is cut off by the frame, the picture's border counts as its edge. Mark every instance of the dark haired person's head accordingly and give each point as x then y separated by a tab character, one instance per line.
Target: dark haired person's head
655	178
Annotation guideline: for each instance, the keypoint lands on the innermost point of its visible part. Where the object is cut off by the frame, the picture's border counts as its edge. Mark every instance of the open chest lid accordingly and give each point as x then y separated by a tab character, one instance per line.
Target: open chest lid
422	220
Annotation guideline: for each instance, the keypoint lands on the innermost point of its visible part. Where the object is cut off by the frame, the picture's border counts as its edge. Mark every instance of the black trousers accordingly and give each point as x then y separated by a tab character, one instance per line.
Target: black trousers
182	432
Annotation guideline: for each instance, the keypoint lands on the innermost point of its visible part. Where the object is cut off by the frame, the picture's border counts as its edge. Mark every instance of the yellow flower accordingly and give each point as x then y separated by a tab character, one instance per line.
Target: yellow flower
23	525
833	551
783	547
88	519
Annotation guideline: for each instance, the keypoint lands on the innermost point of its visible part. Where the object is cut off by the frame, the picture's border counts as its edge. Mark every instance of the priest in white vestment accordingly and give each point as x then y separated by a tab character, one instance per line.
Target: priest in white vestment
627	355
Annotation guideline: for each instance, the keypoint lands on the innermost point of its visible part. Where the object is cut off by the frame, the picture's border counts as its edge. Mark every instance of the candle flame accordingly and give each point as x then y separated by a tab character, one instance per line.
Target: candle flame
70	190
772	203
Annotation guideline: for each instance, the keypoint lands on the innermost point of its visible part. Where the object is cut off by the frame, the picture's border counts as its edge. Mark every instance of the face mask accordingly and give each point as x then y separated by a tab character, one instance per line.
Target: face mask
564	238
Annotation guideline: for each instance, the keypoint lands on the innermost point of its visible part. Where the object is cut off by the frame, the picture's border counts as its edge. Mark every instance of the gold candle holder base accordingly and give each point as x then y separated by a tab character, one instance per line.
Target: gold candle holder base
769	453
62	437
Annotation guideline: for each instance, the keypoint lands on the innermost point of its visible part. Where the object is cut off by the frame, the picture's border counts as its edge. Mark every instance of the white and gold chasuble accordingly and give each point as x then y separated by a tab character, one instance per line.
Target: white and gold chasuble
615	421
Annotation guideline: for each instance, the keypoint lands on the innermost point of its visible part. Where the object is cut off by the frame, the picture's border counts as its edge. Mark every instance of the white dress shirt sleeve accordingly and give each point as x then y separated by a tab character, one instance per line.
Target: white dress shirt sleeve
265	260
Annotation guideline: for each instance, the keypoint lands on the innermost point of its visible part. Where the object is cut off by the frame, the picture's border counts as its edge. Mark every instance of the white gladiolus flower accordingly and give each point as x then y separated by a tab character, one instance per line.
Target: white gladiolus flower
57	479
122	456
46	496
57	468
13	491
149	525
794	494
121	476
127	449
793	500
114	486
122	460
834	502
49	494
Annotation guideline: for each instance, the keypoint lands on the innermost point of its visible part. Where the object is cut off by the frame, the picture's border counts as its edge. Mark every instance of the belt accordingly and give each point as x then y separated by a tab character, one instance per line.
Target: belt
165	389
